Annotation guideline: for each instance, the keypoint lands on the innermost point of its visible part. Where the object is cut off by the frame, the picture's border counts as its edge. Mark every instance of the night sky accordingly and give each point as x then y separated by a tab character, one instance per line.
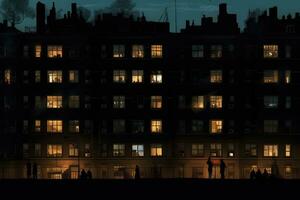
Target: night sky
187	9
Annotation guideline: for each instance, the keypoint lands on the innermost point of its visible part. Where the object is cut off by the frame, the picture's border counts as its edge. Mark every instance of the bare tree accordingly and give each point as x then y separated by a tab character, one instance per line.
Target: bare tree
15	11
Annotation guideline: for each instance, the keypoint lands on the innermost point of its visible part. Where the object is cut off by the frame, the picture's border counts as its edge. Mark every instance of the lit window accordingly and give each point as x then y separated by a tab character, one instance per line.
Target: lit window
118	150
55	51
54	150
197	150
216	51
198	102
216	76
38	51
119	76
216	150
156	150
197	51
74	102
73	150
73	76
270	150
156	102
54	102
156	77
55	77
74	126
271	101
156	126
270	126
216	126
250	150
216	101
270	51
270	76
137	150
7	76
37	76
37	125
54	126
119	126
287	77
119	101
287	150
197	126
156	51
230	150
138	51
137	76
118	51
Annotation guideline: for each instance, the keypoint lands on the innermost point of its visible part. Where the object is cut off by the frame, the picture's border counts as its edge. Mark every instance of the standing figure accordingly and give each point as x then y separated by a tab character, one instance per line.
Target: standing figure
89	174
209	167
222	169
252	174
137	172
28	168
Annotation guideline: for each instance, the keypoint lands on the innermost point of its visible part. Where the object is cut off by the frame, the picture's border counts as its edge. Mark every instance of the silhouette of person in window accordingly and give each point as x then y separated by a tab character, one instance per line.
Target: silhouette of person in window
222	169
209	167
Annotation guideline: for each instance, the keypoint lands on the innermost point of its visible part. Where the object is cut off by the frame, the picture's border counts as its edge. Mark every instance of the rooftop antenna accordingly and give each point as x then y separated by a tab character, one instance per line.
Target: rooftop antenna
175	2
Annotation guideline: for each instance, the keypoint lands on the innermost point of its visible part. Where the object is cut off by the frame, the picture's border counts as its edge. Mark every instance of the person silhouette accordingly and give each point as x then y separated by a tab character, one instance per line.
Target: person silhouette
209	167
83	174
222	169
252	174
28	168
258	174
265	175
137	172
34	171
89	174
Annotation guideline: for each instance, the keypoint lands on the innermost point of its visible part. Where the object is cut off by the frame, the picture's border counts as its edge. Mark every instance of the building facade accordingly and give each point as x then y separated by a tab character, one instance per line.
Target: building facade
119	92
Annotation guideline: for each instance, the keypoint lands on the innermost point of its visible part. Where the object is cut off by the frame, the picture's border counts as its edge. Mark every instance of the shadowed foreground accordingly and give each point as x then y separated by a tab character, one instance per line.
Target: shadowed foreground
151	187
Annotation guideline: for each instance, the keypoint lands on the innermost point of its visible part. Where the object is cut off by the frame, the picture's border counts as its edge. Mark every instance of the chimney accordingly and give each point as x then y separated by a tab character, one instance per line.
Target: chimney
40	17
273	12
222	9
74	10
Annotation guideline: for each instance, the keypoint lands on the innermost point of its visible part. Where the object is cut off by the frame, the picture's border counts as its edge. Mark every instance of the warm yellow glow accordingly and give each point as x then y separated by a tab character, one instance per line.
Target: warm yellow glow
54	150
156	102
38	51
118	149
156	150
198	102
73	76
7	76
55	77
216	76
119	76
156	77
54	126
271	76
54	102
288	77
216	101
216	126
37	125
156	126
270	51
156	51
137	76
270	150
118	51
287	150
55	51
138	51
73	150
